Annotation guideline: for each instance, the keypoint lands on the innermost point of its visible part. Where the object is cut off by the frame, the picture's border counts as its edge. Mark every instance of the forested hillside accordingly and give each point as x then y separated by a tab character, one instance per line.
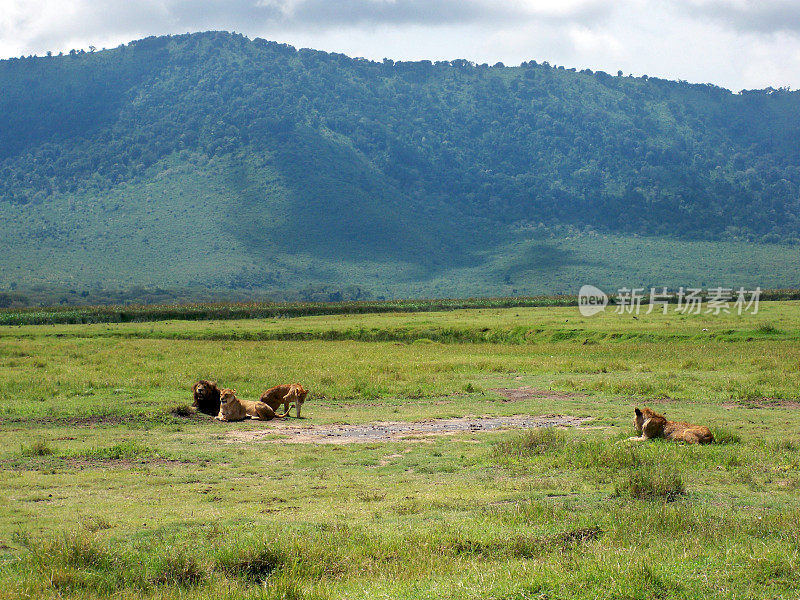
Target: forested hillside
269	162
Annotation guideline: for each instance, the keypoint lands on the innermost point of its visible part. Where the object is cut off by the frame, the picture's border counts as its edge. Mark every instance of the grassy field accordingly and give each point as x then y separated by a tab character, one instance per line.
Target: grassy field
108	492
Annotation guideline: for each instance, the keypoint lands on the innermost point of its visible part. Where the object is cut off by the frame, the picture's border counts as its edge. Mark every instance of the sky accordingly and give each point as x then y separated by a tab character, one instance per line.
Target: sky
737	44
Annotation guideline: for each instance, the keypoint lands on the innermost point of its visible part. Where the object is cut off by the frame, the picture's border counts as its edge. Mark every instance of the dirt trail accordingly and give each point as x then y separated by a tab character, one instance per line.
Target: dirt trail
387	431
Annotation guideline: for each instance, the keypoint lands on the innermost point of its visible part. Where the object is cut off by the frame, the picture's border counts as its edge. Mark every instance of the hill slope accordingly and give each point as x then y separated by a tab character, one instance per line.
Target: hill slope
217	162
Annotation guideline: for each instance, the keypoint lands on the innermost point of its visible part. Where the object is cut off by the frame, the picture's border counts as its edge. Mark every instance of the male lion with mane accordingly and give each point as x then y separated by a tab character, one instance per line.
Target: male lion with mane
651	425
206	397
233	409
284	394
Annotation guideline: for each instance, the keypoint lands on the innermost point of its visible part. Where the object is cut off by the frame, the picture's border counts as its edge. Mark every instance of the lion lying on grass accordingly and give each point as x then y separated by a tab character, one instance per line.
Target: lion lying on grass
233	409
284	394
651	425
206	397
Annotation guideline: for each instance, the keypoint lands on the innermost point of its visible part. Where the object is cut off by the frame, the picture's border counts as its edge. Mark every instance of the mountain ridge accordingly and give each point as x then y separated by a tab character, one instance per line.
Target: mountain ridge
302	160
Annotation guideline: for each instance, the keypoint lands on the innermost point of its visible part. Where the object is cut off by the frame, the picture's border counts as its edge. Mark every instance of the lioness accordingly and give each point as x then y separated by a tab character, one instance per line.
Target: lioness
233	409
206	397
284	394
651	425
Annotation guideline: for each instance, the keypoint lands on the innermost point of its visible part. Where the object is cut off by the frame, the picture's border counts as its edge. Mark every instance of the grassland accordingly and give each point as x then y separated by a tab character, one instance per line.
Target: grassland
108	492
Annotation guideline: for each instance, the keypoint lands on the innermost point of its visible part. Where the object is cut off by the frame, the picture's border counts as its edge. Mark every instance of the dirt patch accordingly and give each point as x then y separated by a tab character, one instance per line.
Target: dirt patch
527	393
388	431
763	403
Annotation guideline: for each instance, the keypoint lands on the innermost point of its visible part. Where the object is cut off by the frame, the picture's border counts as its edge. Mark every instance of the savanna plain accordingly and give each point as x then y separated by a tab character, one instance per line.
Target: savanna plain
112	488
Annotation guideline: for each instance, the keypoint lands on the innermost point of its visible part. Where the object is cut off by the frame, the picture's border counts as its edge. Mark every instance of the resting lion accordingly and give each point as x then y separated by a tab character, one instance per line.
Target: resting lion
651	425
206	397
233	409
284	394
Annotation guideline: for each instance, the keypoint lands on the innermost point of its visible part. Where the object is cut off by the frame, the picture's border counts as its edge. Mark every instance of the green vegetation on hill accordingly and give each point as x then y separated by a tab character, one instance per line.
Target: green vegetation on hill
213	162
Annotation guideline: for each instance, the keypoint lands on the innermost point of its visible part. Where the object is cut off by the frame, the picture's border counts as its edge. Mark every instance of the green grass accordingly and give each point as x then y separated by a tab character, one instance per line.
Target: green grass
38	448
652	481
111	491
536	441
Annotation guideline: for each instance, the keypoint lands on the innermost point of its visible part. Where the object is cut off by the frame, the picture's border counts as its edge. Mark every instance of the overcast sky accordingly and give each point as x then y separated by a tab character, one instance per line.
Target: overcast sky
733	43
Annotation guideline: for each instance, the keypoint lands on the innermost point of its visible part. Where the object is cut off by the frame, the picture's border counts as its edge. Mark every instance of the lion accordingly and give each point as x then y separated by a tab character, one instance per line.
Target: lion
233	409
651	425
206	397
284	394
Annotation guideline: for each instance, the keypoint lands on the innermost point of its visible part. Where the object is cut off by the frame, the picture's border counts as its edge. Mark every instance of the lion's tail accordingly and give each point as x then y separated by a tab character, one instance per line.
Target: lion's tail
280	416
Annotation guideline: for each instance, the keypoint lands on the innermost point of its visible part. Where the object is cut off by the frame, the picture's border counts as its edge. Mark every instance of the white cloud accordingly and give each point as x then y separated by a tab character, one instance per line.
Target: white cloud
765	16
734	43
590	42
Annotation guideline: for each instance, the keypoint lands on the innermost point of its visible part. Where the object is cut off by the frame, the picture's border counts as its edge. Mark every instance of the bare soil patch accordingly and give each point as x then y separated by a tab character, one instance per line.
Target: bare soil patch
526	393
387	431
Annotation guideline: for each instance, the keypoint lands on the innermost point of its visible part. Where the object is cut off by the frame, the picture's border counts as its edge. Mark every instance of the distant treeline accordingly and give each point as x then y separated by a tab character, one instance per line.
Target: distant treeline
270	310
256	310
45	296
